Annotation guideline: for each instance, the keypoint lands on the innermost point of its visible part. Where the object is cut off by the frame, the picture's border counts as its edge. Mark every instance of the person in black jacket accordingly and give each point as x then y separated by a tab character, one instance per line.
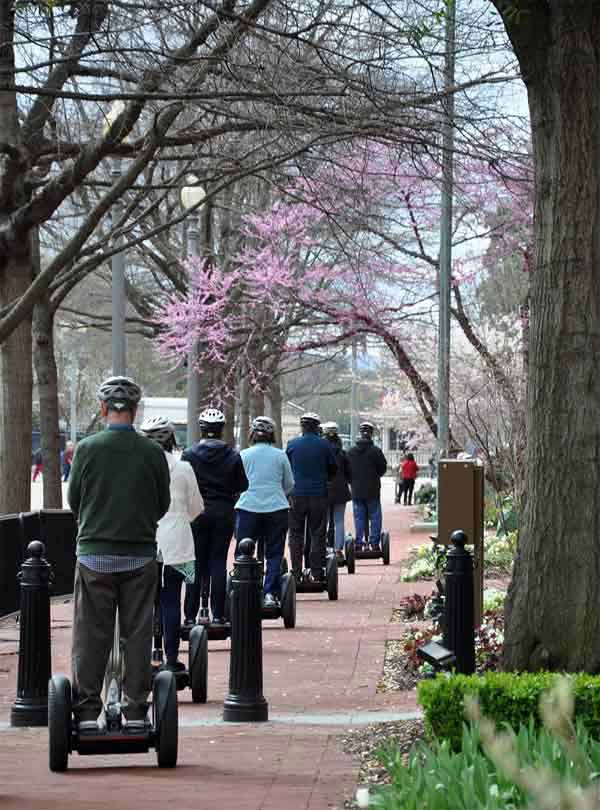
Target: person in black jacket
221	478
368	465
338	491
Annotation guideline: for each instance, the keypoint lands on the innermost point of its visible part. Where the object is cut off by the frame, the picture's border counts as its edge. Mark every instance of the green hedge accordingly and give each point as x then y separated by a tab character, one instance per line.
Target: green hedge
504	697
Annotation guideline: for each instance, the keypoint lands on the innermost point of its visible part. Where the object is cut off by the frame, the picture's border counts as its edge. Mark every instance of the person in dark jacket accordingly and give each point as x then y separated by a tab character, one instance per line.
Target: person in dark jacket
368	465
338	491
313	465
221	478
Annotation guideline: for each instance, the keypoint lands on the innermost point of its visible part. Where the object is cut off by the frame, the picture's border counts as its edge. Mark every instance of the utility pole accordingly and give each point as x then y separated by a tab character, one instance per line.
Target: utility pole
73	417
118	287
445	260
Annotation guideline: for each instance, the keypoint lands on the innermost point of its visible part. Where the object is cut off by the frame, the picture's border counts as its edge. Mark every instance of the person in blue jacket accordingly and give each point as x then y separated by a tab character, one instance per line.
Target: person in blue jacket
313	465
262	510
220	475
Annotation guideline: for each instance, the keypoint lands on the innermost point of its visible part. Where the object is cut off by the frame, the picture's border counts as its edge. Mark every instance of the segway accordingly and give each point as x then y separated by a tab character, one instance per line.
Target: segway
286	609
195	677
349	559
214	632
306	584
113	737
368	552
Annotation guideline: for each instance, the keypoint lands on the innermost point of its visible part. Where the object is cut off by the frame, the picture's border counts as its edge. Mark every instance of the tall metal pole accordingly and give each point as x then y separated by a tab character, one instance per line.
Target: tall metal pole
354	396
73	417
118	288
193	380
445	269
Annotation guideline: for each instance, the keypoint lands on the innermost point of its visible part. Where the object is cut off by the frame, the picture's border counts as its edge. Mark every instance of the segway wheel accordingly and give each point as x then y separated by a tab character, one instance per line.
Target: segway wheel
332	578
350	557
198	664
288	601
385	548
59	723
228	592
284	566
165	719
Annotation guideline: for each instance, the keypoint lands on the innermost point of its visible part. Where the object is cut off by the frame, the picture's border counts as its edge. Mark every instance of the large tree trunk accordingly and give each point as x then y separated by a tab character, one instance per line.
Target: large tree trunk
47	382
244	389
552	612
275	404
16	390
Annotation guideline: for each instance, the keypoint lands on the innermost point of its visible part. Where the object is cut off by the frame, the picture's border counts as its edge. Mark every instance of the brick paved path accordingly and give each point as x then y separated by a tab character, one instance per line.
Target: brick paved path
320	679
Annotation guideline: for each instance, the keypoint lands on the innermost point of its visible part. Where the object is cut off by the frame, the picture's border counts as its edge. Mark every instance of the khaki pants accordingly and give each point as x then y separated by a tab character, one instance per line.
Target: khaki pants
96	597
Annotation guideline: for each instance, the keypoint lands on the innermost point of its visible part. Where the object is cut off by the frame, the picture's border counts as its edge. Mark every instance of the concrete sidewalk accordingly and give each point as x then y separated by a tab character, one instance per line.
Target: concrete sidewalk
320	679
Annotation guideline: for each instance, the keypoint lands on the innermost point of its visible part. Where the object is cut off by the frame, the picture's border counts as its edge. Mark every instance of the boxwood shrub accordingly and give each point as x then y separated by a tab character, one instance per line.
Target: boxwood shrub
505	697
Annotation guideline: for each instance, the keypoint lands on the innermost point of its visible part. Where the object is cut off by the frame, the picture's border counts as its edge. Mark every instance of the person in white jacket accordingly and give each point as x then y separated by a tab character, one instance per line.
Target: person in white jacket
174	536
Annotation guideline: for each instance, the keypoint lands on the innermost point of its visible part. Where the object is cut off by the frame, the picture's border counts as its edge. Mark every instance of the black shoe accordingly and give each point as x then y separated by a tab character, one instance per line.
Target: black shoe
189	623
173	666
376	547
318	575
218	621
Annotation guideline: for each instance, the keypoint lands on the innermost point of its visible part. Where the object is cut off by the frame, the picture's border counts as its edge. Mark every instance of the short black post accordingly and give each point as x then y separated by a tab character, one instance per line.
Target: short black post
245	702
459	619
31	706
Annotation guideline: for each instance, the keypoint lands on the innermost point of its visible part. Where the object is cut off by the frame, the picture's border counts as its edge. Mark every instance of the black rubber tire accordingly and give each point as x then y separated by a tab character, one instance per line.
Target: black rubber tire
385	548
228	592
350	557
198	664
165	719
288	601
332	579
59	723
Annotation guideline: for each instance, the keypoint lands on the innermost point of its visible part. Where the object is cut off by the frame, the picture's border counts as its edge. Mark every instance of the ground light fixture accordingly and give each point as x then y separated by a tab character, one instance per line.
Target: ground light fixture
437	655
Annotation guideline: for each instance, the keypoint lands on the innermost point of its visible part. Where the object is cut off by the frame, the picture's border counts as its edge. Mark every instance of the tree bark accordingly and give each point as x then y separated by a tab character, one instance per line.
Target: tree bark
552	607
275	408
47	381
228	432
244	412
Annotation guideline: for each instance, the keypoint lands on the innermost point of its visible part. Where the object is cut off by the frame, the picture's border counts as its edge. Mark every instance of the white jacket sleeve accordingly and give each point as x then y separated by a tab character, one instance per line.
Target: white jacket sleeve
195	501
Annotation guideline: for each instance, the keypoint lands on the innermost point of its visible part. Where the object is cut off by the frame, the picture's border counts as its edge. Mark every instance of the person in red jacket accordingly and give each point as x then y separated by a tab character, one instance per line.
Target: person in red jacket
409	474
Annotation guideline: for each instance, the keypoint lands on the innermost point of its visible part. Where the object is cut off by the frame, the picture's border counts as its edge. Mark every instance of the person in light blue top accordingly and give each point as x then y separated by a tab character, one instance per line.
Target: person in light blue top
262	510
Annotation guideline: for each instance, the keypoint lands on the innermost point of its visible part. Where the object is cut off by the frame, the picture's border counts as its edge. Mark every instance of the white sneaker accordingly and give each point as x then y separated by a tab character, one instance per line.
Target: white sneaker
88	726
269	601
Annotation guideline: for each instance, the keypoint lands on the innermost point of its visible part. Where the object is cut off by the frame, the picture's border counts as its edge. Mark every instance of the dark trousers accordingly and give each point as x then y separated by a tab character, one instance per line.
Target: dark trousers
270	528
312	510
212	535
95	600
409	485
170	611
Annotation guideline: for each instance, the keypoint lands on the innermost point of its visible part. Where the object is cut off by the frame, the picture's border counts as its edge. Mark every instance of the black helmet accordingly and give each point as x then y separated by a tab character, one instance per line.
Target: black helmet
120	393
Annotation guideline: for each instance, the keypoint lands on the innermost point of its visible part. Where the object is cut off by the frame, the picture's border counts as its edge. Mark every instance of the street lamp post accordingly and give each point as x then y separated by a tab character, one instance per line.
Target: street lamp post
119	364
192	197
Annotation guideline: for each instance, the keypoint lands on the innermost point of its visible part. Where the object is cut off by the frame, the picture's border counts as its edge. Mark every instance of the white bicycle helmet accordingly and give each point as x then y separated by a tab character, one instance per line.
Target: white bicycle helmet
160	430
366	429
120	393
310	418
263	426
330	428
211	416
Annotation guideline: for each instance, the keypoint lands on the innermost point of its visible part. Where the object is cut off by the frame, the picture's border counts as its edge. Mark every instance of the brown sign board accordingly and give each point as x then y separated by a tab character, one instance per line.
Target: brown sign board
460	506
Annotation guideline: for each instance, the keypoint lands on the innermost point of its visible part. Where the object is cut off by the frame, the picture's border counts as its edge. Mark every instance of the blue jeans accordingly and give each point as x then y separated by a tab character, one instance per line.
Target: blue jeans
338	512
367	510
170	611
270	528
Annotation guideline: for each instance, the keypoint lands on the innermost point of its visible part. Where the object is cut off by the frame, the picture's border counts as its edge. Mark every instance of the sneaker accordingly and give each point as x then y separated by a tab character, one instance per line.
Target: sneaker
340	555
376	547
317	576
189	623
88	727
137	726
270	601
218	620
173	666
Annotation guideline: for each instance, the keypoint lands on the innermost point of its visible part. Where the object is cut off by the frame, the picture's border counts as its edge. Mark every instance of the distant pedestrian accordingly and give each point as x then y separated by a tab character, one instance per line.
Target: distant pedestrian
409	475
37	463
67	460
399	484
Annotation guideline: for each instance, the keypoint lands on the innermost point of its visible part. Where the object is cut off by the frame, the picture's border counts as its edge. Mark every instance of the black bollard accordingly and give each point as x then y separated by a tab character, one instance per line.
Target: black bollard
245	702
459	618
31	706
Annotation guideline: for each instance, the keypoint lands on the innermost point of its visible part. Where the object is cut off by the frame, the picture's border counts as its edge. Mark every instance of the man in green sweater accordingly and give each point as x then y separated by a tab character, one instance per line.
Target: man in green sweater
118	491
